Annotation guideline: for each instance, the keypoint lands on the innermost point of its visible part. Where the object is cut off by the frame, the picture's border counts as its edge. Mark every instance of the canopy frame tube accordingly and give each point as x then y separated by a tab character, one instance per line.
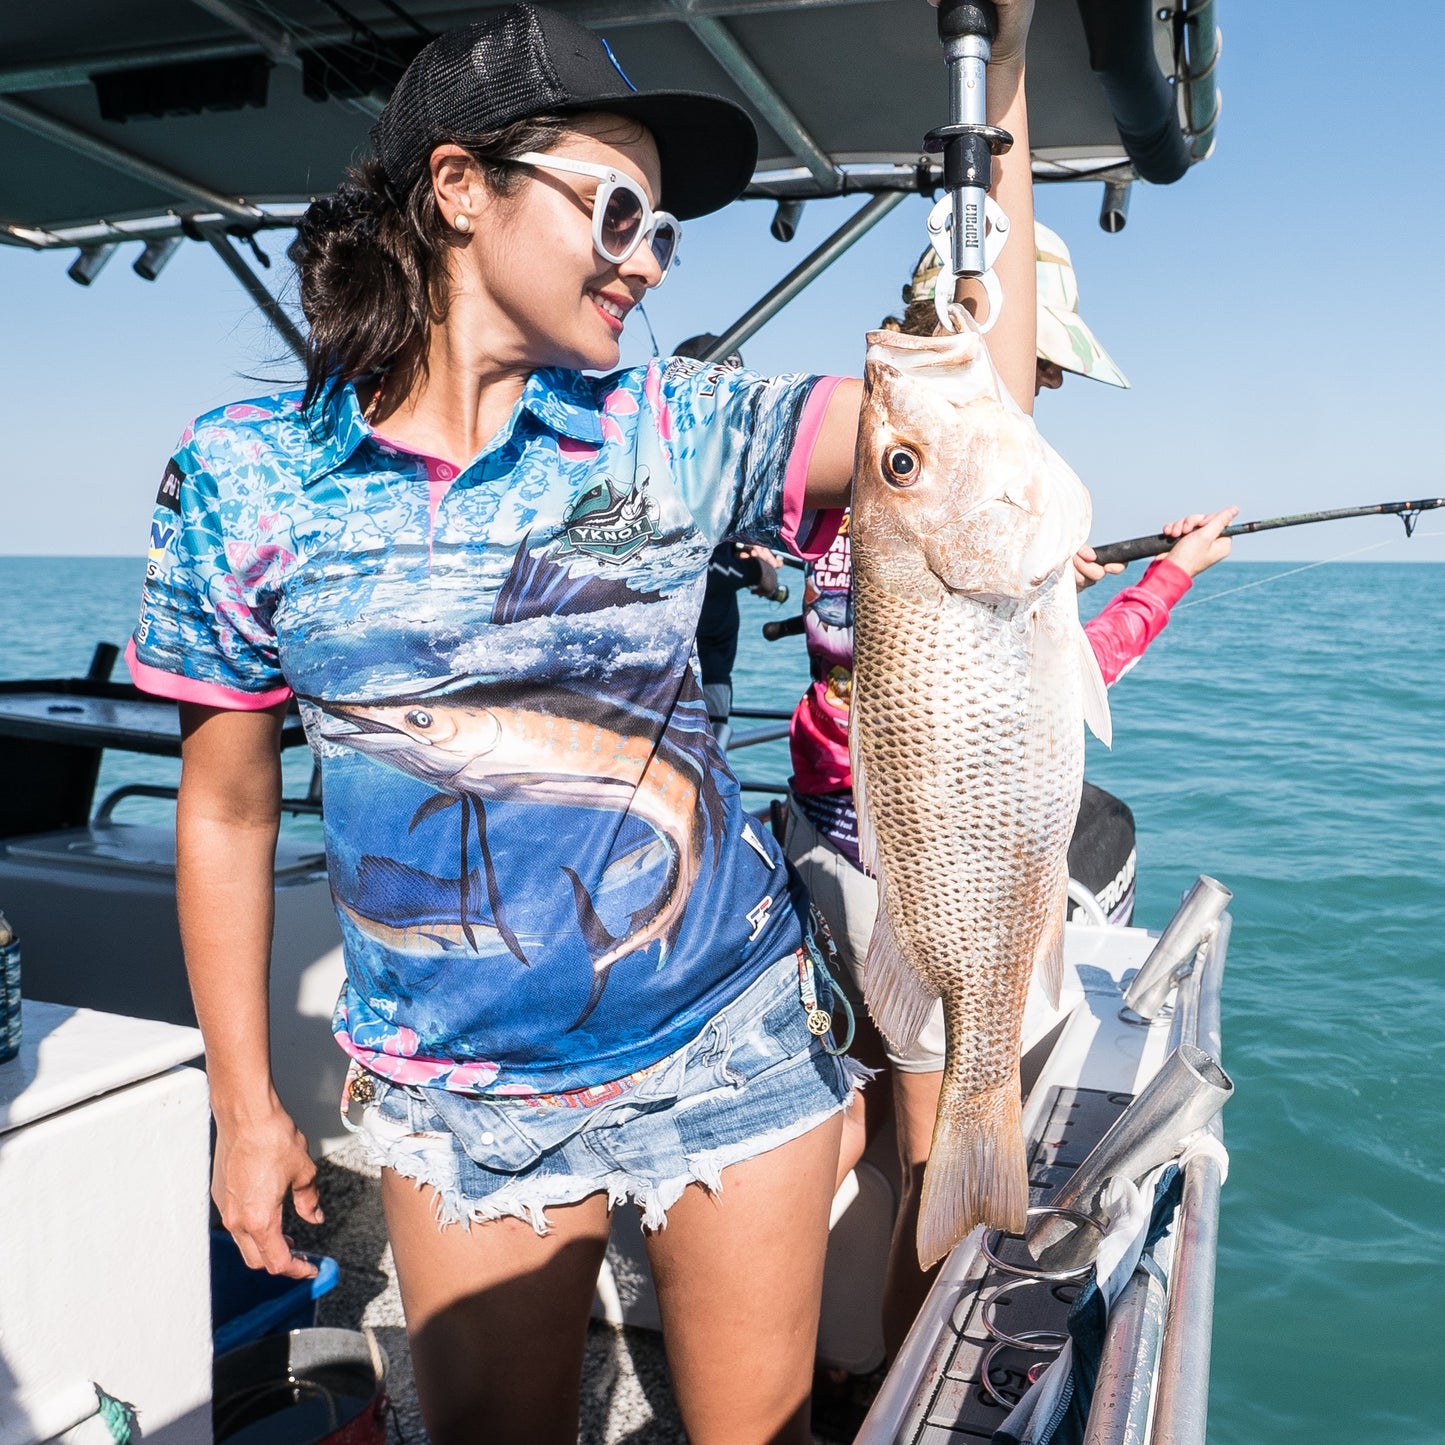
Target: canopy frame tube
804	274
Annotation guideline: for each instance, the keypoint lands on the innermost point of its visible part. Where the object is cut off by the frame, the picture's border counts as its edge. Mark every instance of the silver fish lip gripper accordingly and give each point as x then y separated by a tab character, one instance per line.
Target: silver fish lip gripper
968	143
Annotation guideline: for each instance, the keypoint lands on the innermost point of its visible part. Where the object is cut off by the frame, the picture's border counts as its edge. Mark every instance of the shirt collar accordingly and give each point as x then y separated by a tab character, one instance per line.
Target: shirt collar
566	402
563	401
336	428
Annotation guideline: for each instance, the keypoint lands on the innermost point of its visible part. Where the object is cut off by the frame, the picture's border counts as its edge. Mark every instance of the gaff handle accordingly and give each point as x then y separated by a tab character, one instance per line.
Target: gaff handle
787	627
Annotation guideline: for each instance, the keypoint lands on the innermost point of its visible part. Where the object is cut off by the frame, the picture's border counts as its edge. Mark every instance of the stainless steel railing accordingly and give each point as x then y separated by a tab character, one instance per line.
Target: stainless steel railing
1173	1360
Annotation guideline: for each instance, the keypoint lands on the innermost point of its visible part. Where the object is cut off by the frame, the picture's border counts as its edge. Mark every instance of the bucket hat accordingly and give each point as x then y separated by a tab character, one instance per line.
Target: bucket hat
524	60
1063	338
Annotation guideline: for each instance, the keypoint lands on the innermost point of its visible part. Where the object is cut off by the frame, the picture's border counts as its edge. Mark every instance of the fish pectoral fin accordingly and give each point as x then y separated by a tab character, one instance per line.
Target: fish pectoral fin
976	1172
867	836
437	803
897	998
1095	692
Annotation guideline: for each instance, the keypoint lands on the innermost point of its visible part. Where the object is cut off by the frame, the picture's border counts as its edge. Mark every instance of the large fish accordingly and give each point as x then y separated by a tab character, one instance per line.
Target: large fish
972	684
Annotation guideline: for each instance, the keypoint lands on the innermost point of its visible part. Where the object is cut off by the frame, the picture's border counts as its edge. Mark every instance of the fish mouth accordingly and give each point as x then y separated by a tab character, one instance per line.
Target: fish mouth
347	727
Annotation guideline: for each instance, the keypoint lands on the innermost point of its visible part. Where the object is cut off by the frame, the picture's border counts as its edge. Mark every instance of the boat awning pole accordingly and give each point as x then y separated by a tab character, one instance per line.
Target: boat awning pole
80	142
804	274
220	243
740	66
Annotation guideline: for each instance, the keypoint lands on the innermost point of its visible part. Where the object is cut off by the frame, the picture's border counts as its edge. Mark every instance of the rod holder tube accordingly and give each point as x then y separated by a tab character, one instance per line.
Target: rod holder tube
1184	1096
1193	924
1181	1405
1127	1364
803	274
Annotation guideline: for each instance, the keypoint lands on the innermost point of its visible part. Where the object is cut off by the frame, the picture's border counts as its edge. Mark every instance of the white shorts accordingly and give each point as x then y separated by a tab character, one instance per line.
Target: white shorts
848	900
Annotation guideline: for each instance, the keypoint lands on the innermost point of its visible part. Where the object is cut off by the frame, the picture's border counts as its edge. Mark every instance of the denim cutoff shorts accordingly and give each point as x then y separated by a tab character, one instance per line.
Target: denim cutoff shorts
753	1079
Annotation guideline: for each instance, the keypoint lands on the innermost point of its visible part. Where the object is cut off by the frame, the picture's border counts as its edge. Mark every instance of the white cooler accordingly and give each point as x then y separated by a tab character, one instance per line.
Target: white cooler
104	1240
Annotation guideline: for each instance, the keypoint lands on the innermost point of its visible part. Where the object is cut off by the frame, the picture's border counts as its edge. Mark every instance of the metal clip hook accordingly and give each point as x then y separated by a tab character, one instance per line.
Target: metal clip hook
996	232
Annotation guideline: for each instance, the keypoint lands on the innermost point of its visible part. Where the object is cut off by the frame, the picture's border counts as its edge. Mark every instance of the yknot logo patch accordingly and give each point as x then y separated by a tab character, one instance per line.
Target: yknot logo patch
611	522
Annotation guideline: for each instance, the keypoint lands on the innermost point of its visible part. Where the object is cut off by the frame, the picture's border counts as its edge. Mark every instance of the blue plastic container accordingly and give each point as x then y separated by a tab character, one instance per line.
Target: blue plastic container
248	1304
9	993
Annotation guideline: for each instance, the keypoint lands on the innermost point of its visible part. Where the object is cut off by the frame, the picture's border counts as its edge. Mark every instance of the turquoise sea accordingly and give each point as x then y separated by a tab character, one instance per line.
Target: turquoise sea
1286	738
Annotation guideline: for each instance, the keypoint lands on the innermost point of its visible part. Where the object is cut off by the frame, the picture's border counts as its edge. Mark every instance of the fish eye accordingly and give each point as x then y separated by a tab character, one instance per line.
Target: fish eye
901	465
419	717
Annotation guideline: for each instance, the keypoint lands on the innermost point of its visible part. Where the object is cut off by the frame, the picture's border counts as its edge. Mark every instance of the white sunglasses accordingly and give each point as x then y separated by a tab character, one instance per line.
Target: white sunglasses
622	219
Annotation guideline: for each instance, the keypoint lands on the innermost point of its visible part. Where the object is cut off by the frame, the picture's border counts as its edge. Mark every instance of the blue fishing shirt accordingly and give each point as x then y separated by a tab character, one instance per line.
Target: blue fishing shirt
544	875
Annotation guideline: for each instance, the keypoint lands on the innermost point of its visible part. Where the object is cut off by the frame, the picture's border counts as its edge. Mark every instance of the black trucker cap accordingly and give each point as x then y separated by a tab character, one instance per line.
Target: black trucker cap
526	60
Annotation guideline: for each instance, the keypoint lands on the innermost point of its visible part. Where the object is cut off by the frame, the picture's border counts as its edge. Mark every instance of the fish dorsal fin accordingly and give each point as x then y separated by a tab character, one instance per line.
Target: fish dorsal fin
1094	691
538	586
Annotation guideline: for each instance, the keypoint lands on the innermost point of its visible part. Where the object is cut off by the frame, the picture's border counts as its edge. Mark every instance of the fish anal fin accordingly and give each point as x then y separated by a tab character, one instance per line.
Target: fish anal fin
1095	693
976	1172
897	998
1049	957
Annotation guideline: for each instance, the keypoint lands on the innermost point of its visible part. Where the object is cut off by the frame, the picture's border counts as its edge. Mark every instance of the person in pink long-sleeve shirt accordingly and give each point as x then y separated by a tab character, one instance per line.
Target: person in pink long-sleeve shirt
822	838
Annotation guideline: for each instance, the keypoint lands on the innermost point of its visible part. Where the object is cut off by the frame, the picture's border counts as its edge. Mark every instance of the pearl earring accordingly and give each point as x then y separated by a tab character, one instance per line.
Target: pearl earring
462	221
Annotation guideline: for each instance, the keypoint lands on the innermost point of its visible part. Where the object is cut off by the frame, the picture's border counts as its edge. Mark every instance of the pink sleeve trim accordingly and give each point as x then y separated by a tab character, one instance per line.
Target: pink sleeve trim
188	689
1167	580
809	533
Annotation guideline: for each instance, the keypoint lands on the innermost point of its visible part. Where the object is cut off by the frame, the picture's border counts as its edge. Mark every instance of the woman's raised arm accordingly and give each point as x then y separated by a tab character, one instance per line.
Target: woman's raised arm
1012	342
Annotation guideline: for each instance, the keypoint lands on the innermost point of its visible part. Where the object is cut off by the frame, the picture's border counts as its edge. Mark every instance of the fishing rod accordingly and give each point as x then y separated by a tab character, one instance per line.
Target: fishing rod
1135	548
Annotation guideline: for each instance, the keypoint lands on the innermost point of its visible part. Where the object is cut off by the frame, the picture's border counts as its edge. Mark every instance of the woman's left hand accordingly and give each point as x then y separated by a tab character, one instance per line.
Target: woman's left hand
1087	571
1200	545
1013	30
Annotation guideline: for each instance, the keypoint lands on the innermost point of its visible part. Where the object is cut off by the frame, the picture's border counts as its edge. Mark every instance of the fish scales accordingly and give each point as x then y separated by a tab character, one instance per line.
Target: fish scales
970	688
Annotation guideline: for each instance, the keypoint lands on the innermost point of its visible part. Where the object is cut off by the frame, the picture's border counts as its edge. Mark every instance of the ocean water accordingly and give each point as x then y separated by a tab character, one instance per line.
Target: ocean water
1287	739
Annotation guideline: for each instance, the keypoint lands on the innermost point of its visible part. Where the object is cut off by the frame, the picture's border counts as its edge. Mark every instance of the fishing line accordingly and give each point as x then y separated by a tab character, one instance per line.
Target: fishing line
1293	572
651	334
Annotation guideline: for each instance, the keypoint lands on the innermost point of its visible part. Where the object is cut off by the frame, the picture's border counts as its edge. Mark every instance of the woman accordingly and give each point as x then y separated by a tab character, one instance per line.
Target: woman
822	838
573	965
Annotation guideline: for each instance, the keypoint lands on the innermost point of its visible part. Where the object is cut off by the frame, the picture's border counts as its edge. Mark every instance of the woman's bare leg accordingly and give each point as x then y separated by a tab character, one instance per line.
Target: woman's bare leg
915	1103
496	1316
867	1113
739	1280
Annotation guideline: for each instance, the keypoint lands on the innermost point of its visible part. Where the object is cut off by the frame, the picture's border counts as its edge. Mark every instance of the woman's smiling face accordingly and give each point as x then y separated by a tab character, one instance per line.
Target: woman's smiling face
528	255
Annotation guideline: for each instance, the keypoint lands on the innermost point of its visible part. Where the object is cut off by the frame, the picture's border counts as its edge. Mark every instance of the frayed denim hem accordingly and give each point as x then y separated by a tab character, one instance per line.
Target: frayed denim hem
413	1156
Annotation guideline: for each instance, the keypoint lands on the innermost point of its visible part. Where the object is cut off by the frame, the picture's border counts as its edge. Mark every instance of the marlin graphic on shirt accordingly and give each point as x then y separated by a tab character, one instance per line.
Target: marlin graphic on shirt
480	742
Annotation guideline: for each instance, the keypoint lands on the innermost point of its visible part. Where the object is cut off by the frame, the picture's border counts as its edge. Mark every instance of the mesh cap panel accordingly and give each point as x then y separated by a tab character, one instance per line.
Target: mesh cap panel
525	60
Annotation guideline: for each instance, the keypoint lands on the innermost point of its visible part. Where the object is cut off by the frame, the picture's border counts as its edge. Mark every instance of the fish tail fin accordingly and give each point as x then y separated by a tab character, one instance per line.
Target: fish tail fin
897	998
976	1173
599	942
1095	692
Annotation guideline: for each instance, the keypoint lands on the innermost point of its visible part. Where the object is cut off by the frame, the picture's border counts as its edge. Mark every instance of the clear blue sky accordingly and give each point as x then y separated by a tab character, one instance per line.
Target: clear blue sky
1280	312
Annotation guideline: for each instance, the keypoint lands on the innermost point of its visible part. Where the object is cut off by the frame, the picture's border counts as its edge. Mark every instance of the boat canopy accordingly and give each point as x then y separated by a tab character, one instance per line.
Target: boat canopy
154	119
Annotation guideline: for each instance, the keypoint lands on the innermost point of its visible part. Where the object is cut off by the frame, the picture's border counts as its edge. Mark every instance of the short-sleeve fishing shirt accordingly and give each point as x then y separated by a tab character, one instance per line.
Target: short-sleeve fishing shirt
544	876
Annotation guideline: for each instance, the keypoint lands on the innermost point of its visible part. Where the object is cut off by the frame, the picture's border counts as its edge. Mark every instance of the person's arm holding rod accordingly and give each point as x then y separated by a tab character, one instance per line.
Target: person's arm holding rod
227	818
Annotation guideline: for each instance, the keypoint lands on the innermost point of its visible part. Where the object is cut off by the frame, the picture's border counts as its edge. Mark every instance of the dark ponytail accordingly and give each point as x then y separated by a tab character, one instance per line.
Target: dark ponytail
371	264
